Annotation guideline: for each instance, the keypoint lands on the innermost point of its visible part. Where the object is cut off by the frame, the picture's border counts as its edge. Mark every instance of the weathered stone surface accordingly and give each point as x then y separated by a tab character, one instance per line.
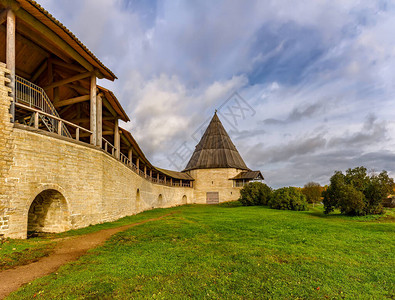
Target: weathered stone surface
215	180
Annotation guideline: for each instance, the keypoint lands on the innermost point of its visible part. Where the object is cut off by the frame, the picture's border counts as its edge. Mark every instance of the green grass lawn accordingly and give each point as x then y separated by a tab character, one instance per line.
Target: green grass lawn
225	252
16	252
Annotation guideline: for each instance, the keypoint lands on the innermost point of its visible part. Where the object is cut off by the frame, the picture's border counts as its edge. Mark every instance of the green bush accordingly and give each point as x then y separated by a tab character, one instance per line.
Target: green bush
255	193
288	198
351	201
356	193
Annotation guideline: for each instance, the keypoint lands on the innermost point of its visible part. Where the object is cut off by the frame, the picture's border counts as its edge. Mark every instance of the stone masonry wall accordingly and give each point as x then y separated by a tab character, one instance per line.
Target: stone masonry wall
6	150
97	188
215	180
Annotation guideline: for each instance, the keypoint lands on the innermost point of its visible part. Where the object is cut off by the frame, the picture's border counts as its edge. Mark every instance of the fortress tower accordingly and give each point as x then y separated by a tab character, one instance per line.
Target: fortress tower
217	167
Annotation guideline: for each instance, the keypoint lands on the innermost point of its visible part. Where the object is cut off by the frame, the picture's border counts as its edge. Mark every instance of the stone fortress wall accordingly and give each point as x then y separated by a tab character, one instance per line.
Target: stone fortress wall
76	184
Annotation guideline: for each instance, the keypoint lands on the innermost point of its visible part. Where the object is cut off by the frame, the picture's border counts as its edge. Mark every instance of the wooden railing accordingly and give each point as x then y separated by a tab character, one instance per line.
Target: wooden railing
60	122
31	95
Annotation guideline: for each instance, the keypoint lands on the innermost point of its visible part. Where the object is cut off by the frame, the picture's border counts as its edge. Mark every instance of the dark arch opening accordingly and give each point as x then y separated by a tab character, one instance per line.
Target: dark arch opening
160	200
184	199
138	201
48	213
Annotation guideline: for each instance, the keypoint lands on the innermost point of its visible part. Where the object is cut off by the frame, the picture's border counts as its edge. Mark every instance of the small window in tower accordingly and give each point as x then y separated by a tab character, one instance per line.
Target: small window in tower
212	182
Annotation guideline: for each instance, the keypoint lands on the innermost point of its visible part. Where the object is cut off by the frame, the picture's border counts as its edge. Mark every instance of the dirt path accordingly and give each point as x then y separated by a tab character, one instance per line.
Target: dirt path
66	251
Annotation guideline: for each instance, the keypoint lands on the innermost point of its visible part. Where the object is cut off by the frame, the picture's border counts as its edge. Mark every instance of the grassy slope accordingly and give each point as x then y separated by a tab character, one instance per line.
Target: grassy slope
234	252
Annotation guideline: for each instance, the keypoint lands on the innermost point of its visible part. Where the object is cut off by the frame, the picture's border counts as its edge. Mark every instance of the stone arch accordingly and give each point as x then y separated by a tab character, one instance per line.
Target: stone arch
184	200
160	200
48	212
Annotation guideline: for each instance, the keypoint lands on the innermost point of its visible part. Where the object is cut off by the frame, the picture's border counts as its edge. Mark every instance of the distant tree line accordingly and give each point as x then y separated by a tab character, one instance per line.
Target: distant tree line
354	193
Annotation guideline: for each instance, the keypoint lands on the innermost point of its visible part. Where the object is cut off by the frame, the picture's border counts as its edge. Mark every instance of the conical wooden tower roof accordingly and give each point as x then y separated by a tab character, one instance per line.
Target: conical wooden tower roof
215	150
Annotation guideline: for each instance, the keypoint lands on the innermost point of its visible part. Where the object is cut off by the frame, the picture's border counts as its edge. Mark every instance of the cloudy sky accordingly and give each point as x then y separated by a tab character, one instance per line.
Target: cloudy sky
315	80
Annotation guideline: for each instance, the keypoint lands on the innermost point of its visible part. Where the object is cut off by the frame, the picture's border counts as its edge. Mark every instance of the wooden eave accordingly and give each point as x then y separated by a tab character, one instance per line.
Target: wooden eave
249	175
114	103
35	10
176	174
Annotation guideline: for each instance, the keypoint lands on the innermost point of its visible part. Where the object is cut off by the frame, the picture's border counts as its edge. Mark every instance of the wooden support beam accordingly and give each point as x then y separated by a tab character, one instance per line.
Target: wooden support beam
109	107
123	138
71	79
99	120
63	110
42	43
108	132
145	171
93	114
72	101
138	163
61	63
130	155
157	177
78	88
84	120
52	36
117	143
22	73
10	55
3	16
39	71
27	42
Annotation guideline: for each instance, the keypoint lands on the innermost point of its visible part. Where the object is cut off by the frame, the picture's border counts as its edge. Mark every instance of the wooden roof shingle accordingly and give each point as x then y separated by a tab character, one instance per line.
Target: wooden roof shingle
215	150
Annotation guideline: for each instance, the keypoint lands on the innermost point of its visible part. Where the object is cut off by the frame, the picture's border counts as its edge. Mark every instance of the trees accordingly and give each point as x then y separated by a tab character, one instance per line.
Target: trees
312	191
356	192
255	193
288	198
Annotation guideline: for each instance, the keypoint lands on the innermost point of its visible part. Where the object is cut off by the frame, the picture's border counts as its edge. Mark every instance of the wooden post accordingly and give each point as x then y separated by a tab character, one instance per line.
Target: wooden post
116	139
77	134
145	171
36	120
60	125
99	116
93	109
130	155
138	164
10	56
181	182
171	181
157	177
165	179
150	173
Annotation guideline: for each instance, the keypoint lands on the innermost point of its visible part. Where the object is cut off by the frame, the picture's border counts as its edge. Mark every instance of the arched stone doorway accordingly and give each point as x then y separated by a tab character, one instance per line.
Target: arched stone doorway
48	213
160	200
184	200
